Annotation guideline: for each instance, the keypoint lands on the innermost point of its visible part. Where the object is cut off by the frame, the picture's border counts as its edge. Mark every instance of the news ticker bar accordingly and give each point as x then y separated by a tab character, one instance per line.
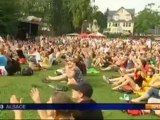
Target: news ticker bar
79	106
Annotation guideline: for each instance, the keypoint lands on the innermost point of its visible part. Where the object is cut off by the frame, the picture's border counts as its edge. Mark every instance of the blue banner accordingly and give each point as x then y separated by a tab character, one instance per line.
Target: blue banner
72	106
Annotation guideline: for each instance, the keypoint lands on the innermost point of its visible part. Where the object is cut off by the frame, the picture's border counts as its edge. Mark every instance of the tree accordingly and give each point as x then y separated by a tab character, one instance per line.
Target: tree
61	17
81	10
101	20
66	16
9	14
55	13
147	19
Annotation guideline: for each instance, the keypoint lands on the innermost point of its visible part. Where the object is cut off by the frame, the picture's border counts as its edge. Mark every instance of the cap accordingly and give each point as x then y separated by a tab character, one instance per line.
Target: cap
84	88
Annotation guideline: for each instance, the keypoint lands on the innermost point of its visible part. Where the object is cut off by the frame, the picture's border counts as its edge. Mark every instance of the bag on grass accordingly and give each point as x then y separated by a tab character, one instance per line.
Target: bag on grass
61	88
27	71
127	89
12	67
135	112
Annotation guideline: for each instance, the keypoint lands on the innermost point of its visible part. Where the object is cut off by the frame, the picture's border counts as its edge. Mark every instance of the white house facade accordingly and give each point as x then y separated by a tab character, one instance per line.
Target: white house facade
121	21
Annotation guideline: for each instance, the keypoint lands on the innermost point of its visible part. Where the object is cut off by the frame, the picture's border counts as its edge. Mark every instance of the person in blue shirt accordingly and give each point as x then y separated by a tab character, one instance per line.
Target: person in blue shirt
3	58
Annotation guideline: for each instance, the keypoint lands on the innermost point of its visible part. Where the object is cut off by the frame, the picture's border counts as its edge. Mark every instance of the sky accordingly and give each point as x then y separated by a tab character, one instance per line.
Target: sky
138	5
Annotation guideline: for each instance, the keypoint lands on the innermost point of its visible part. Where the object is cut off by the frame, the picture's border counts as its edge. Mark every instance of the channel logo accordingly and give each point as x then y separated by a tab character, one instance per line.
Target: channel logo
1	107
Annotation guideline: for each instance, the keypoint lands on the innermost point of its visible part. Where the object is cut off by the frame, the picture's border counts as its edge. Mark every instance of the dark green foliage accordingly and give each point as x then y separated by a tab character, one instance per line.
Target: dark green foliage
9	14
146	20
101	19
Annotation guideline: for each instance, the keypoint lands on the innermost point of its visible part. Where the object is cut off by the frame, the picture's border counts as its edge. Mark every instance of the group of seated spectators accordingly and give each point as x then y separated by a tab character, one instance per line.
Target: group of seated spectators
138	64
42	55
137	61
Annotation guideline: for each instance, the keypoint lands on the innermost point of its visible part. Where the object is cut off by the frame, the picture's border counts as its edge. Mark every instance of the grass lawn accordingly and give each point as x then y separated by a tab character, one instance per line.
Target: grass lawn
21	86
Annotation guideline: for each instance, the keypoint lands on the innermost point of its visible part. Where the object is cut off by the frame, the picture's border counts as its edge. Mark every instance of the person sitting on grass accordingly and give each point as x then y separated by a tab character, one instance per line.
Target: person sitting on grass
72	73
36	54
34	58
153	92
117	61
3	62
80	64
33	64
20	54
13	65
139	71
139	83
45	64
58	97
82	94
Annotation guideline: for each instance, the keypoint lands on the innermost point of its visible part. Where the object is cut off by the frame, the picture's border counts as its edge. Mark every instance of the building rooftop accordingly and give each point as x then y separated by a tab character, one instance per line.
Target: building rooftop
112	12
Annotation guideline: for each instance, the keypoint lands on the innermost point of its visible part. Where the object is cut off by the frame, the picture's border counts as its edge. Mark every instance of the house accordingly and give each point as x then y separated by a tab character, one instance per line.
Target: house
121	21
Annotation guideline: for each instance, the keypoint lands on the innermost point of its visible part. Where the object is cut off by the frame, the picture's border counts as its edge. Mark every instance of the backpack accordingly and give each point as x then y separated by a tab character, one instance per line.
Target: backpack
12	66
27	71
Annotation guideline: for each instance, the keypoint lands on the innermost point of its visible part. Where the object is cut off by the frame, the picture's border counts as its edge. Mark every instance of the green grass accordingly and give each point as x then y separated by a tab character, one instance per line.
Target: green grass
21	86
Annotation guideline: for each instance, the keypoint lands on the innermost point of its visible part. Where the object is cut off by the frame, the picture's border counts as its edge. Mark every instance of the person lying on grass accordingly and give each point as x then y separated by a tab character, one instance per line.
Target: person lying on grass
58	97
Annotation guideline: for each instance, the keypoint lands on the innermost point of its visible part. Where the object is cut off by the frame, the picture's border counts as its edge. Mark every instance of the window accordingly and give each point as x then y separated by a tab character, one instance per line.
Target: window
115	24
124	24
129	24
128	15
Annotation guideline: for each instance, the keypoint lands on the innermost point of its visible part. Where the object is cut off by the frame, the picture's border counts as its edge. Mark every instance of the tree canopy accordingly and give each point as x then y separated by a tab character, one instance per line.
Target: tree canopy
9	14
63	16
147	19
101	19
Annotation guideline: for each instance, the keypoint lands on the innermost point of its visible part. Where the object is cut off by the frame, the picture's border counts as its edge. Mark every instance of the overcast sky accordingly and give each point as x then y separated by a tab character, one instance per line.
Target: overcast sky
116	4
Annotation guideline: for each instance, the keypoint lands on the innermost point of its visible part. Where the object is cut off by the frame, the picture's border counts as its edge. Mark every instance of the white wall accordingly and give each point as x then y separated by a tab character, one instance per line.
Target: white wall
124	15
120	28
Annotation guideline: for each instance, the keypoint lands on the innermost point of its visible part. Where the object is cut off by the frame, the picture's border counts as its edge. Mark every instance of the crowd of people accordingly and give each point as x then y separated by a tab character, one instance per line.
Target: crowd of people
136	60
